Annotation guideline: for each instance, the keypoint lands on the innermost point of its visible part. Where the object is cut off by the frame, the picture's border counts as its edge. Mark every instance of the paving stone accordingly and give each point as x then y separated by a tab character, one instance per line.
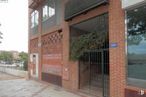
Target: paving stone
29	88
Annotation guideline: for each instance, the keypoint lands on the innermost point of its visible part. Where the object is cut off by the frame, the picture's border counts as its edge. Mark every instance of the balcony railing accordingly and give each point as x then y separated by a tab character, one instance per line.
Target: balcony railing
77	7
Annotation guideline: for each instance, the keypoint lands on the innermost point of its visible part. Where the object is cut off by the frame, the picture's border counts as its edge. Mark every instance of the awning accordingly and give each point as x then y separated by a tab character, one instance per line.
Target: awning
77	7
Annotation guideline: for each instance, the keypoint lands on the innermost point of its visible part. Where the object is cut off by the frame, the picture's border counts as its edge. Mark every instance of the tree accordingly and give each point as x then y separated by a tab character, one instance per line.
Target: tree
6	56
24	58
83	43
136	26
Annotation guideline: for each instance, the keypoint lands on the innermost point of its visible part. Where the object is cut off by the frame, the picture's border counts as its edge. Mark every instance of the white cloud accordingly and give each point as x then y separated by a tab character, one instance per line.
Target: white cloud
14	20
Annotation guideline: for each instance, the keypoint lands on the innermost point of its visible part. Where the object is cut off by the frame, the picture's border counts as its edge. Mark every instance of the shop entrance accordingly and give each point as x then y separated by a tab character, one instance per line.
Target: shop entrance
90	41
94	73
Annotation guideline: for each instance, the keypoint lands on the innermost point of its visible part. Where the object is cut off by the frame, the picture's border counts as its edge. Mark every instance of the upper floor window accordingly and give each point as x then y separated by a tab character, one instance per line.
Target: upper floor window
34	18
49	9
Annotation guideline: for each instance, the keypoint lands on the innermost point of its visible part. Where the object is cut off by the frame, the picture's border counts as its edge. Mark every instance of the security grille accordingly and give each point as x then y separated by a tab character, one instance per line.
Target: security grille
94	73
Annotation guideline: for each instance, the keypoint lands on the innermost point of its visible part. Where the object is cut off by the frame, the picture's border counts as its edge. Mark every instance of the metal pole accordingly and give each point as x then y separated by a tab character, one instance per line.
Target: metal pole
102	63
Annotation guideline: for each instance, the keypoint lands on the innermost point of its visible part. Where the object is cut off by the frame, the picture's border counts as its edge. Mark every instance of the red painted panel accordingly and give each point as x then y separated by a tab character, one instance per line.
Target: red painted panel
132	93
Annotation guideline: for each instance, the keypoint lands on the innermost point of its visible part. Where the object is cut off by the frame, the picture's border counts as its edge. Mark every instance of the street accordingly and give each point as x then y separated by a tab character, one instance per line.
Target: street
11	86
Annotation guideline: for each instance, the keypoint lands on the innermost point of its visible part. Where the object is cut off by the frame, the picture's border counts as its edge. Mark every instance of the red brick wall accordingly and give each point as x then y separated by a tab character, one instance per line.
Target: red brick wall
34	45
117	55
52	53
33	48
70	69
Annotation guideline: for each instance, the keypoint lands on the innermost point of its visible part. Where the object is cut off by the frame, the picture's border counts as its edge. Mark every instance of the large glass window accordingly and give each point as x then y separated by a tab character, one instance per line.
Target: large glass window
48	9
34	18
136	47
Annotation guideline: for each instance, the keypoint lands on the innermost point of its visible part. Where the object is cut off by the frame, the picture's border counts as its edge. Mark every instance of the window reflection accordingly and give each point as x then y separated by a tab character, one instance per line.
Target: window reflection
34	18
136	28
45	11
49	10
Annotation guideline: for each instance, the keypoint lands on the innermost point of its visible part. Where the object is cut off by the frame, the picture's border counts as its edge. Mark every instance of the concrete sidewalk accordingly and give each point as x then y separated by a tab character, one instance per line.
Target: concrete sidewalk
4	76
30	88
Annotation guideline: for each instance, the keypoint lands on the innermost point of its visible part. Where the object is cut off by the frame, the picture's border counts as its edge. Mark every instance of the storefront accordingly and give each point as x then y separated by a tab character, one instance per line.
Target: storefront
135	49
98	48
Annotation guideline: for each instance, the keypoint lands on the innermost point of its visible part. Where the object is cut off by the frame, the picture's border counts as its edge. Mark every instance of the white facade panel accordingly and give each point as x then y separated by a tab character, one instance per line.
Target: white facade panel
130	3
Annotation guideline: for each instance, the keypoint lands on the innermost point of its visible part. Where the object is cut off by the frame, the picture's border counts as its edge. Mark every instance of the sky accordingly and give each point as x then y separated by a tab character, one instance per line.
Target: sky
14	25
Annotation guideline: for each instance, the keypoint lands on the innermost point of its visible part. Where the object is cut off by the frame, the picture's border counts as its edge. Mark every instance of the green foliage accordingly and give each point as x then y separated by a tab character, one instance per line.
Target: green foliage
24	58
6	56
136	26
83	43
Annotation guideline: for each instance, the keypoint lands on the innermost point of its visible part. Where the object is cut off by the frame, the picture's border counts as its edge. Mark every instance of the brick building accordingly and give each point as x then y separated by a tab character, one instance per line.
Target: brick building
116	68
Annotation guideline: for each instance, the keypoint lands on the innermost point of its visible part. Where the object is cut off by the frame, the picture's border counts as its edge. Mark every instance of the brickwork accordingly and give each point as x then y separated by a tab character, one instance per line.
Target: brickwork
52	53
117	55
72	80
52	42
34	45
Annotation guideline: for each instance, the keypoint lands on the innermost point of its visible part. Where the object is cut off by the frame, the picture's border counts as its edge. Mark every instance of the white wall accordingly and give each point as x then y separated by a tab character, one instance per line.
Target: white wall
15	72
130	3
